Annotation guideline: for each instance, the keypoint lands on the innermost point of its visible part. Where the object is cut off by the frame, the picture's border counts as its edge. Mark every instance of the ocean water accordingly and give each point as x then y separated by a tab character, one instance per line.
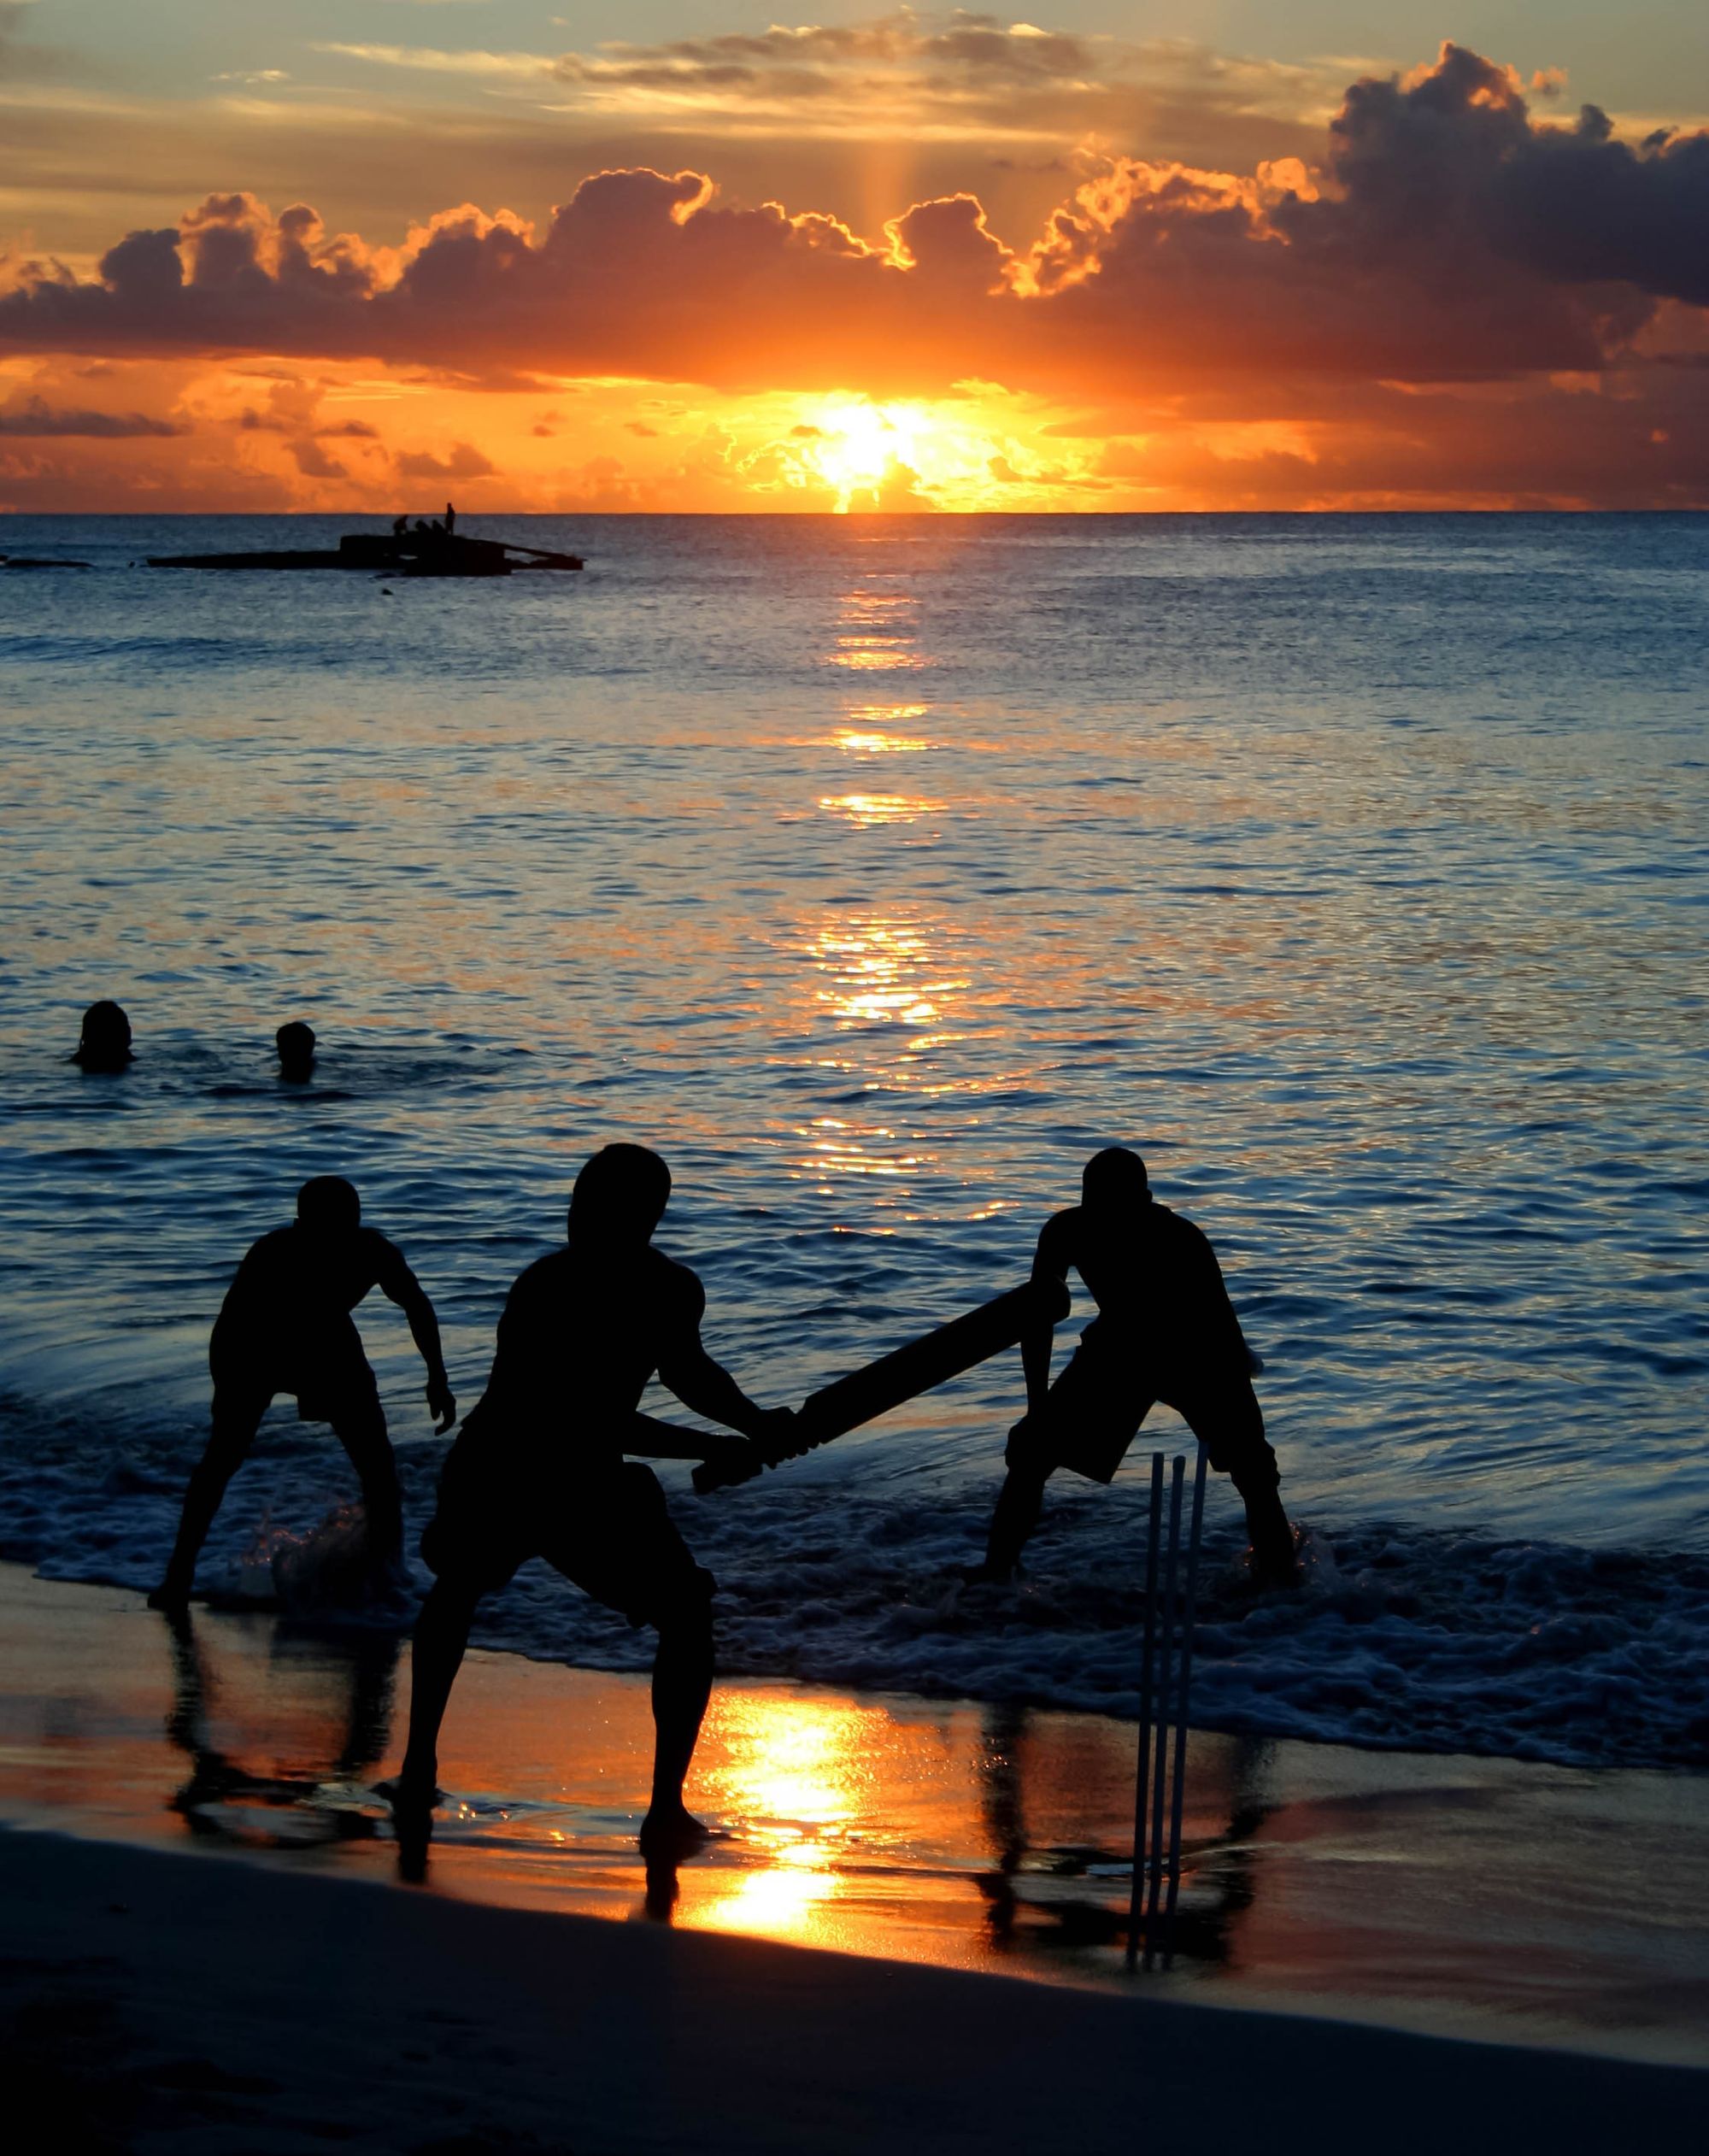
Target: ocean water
877	870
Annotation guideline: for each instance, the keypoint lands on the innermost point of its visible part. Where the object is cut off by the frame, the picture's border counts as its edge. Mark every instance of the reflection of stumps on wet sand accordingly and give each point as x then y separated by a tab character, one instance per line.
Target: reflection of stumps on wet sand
1164	1677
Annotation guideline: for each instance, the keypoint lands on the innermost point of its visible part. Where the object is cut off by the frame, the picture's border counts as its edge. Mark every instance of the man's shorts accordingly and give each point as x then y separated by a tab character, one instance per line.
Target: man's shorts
611	1535
335	1385
1094	1411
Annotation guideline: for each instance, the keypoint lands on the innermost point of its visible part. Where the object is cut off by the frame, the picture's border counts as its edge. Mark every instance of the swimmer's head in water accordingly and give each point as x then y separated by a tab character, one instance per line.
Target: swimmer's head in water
621	1193
1113	1181
295	1045
105	1041
327	1205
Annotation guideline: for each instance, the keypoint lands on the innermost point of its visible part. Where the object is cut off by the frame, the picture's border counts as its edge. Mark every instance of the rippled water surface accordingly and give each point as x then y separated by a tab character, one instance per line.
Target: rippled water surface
876	871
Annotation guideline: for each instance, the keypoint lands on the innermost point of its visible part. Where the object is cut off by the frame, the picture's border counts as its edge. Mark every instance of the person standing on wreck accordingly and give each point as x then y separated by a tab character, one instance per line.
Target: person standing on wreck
539	1469
1166	1329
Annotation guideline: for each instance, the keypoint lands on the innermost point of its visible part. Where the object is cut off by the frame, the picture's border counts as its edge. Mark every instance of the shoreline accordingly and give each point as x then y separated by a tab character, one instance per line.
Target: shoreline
1490	1900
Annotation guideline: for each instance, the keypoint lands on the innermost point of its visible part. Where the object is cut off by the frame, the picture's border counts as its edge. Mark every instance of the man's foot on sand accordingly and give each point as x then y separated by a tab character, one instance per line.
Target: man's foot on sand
670	1832
171	1598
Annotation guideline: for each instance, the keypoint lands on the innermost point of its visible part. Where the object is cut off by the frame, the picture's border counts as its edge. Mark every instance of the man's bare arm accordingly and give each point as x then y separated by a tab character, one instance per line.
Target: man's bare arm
709	1389
649	1439
399	1284
1050	1262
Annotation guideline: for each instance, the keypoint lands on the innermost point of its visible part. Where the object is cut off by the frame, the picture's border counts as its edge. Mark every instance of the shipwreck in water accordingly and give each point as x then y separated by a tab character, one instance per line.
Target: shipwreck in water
419	550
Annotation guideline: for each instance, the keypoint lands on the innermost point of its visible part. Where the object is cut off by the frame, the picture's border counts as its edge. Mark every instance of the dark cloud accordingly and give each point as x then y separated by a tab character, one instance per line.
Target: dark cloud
955	52
36	418
462	462
1437	246
314	463
1452	163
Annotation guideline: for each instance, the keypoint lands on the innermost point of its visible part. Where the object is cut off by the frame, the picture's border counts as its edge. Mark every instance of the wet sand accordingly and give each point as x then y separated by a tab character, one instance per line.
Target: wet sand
1485	1899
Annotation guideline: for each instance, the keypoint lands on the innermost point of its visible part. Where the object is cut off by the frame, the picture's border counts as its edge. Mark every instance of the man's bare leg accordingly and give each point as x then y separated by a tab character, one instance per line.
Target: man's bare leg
1274	1563
228	1448
442	1635
682	1685
363	1436
1230	1427
1020	1504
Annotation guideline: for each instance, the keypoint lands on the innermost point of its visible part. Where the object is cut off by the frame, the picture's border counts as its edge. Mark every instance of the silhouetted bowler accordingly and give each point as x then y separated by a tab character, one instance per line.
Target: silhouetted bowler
1166	1330
286	1326
539	1469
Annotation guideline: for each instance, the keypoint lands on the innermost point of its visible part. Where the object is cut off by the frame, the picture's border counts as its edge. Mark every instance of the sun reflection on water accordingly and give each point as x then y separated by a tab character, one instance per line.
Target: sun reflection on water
875	633
794	1778
836	1147
871	744
865	810
870	730
881	973
873	655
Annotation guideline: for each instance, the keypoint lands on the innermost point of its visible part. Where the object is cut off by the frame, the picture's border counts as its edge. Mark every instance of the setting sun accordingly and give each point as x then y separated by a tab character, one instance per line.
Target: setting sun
861	448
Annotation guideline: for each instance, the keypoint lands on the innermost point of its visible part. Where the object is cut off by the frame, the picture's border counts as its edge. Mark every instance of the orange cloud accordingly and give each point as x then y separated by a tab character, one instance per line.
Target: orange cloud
1443	236
1453	237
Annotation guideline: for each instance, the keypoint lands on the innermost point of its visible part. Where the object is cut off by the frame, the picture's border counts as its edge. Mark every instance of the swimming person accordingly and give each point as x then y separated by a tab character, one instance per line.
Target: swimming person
286	1326
539	1469
1166	1330
104	1039
295	1045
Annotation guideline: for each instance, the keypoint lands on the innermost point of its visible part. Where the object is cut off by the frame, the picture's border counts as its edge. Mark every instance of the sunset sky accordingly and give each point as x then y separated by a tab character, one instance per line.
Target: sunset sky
359	255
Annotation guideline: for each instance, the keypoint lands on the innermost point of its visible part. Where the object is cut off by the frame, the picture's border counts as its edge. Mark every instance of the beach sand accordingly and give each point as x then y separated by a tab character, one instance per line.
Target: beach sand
155	2001
1373	1946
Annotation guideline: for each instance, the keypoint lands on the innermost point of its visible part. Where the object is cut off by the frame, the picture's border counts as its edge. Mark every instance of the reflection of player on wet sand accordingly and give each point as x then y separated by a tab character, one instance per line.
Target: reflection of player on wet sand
286	1326
1166	1330
538	1471
223	1800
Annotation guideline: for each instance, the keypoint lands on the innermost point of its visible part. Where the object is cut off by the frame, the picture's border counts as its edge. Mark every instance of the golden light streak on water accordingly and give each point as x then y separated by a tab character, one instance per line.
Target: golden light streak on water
871	654
867	809
851	1148
878	972
870	744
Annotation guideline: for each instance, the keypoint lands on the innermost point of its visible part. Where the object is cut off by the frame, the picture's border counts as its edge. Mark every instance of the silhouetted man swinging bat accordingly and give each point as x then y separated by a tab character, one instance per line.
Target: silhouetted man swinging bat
539	1469
1166	1330
865	1394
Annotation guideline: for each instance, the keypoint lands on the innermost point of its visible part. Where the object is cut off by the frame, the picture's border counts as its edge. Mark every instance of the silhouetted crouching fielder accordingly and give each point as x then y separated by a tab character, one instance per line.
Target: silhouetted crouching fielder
539	1469
286	1326
1166	1330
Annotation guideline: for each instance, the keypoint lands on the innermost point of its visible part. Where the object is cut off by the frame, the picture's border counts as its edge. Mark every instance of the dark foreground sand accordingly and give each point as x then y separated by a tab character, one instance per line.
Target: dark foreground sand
161	2002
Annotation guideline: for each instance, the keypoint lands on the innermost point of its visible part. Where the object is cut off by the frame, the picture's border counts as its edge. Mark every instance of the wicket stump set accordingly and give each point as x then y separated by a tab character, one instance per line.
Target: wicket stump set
1166	1672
